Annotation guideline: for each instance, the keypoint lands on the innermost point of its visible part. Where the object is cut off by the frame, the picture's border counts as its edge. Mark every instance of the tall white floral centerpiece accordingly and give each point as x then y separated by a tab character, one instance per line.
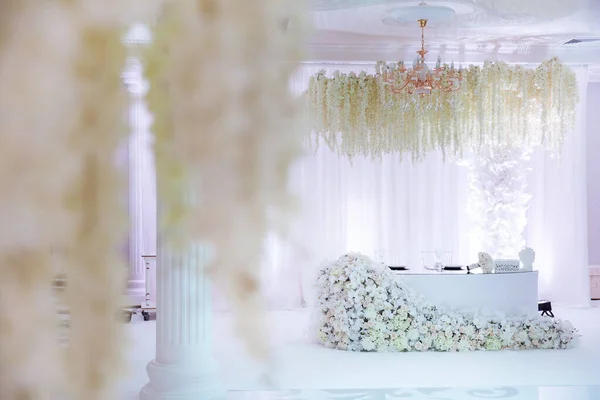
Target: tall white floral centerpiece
498	198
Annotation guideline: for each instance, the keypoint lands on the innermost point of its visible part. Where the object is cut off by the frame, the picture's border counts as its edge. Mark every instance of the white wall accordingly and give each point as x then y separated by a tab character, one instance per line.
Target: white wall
593	172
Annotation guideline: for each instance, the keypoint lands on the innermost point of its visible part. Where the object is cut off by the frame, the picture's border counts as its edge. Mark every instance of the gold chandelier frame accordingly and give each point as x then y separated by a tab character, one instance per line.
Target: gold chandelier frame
420	79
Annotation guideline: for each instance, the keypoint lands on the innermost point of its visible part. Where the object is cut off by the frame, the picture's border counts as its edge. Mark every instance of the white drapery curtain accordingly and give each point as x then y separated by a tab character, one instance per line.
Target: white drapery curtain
557	219
403	209
393	208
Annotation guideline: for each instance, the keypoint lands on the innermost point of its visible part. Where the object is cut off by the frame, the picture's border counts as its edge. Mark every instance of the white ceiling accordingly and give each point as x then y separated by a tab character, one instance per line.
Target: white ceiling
525	31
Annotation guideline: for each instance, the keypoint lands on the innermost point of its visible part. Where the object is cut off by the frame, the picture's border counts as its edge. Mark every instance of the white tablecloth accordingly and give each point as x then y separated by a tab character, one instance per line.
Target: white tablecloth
512	294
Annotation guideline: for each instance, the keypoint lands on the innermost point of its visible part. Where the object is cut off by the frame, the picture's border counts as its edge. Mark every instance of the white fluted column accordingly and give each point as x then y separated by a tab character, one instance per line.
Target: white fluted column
142	190
184	367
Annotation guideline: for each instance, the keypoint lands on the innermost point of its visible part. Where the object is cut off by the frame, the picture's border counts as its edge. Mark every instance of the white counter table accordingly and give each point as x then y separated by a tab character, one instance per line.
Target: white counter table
509	293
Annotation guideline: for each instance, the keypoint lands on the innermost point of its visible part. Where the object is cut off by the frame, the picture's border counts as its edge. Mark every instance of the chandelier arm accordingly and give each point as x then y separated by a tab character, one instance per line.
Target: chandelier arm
398	90
403	87
392	83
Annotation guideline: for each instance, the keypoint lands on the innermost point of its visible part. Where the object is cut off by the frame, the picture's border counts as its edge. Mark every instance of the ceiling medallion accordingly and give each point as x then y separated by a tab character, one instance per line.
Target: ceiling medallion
420	79
440	14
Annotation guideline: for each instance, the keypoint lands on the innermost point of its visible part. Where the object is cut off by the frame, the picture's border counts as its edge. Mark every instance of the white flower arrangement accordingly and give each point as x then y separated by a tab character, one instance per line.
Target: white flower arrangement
363	307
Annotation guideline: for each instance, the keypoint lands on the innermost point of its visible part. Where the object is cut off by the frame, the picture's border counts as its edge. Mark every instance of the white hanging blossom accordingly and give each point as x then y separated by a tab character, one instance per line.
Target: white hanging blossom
227	134
61	122
498	104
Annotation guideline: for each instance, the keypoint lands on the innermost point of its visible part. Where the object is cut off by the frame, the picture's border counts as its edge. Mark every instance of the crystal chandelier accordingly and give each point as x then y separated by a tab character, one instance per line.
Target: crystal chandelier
420	79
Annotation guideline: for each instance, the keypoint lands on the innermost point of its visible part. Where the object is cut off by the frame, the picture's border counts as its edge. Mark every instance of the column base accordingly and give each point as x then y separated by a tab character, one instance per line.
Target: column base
134	300
181	382
136	292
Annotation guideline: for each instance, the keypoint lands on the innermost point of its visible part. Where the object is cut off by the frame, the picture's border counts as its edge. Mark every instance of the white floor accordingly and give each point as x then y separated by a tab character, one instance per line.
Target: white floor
308	366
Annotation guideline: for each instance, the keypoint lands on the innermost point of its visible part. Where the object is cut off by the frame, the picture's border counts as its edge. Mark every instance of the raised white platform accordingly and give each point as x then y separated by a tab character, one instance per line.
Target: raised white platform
304	364
511	293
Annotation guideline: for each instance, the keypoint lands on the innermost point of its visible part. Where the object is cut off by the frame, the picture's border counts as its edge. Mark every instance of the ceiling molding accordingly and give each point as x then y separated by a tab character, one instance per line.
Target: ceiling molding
549	9
512	53
354	33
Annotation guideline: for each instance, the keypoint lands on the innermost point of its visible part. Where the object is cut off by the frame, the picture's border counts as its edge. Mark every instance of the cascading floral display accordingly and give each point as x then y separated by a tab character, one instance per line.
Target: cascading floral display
498	104
363	307
224	147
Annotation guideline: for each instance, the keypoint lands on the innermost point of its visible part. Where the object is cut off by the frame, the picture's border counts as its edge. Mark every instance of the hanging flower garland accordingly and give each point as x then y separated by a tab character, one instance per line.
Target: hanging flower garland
61	120
221	142
94	266
37	105
498	104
